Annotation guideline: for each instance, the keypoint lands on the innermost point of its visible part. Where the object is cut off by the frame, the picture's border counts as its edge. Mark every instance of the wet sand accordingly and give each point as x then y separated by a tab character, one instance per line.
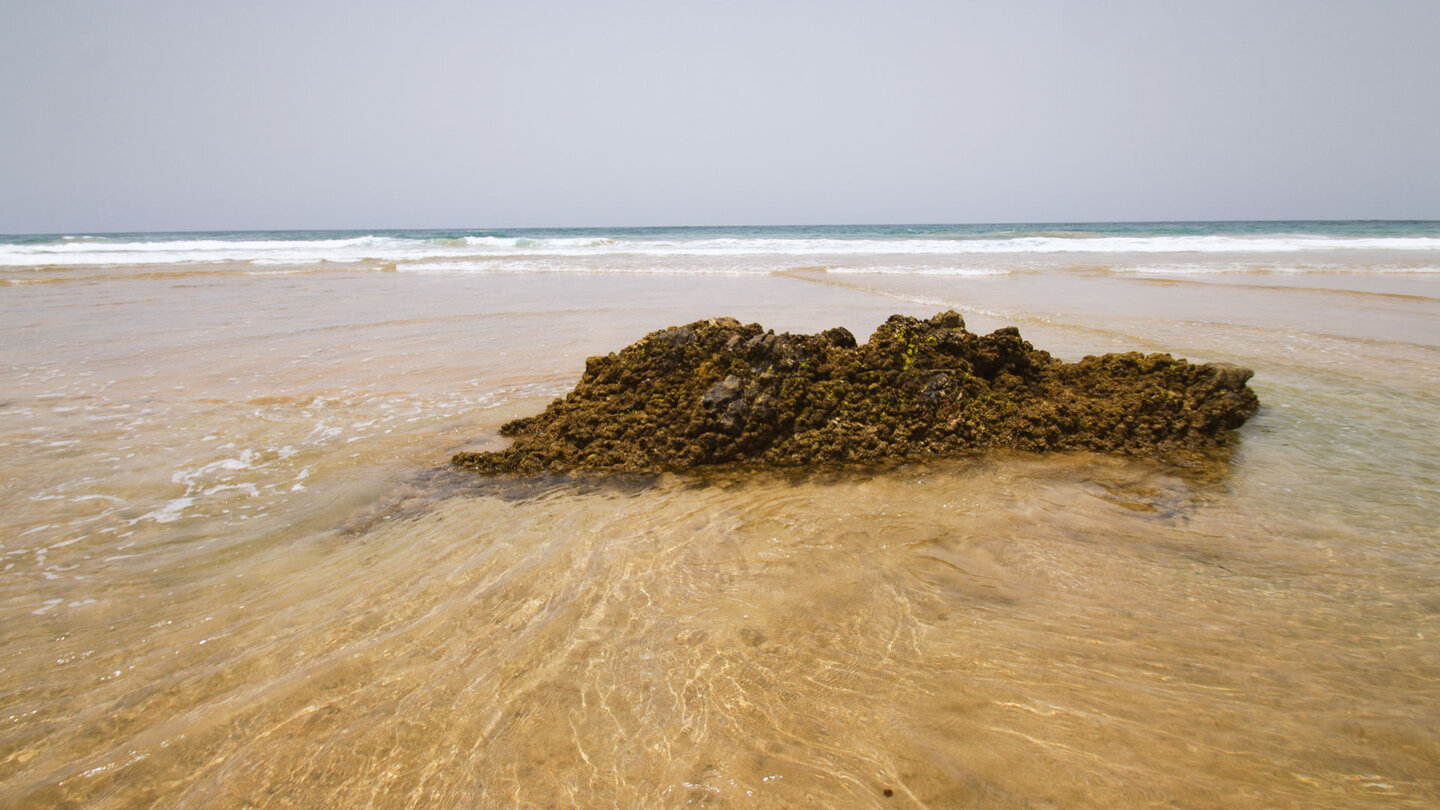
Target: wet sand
233	570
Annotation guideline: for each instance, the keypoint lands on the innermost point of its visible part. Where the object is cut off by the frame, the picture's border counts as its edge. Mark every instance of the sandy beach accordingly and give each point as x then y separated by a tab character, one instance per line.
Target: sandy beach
236	569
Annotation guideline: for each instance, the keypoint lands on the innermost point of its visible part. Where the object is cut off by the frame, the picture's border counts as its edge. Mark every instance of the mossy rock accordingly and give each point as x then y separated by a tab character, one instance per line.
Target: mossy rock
718	392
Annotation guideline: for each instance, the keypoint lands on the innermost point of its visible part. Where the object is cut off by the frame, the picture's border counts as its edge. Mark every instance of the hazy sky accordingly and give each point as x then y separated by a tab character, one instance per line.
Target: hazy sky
193	114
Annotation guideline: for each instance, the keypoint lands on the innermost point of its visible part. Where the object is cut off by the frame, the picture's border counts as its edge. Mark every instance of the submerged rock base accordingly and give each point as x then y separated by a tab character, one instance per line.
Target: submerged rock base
719	392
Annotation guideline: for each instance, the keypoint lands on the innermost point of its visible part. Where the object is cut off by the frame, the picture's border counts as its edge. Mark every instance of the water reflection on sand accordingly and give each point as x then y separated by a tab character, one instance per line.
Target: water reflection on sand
234	571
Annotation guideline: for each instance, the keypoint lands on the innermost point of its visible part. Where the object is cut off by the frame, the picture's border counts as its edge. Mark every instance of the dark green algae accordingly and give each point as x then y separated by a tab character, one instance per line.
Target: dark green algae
717	392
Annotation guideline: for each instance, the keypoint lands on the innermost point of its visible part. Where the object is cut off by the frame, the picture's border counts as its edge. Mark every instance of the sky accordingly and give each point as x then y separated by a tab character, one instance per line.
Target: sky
160	115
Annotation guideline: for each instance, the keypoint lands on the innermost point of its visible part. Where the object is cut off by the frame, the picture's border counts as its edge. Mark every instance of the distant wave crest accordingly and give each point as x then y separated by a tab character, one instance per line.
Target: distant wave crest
767	250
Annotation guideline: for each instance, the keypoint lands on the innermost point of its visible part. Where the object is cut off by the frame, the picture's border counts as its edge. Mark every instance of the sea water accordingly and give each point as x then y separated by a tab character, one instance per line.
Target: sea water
236	571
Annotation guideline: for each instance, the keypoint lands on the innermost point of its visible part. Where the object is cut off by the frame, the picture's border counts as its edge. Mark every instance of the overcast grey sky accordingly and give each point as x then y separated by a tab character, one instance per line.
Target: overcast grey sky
161	114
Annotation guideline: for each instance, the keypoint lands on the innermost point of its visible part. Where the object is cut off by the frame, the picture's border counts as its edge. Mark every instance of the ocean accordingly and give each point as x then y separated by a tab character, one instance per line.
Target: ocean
236	569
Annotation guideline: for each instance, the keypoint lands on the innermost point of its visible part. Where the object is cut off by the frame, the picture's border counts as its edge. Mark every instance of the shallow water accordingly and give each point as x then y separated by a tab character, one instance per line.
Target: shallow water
233	570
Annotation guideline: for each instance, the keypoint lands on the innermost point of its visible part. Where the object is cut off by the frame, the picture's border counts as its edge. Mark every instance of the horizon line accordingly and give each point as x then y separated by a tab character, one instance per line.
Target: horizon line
721	226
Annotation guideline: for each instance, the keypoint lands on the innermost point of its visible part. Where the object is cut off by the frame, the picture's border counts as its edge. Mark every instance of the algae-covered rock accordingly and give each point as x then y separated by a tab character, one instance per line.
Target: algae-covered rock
719	392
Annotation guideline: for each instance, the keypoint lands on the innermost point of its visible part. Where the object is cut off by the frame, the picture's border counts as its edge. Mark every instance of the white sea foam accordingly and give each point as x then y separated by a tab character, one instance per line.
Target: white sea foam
170	512
430	254
162	252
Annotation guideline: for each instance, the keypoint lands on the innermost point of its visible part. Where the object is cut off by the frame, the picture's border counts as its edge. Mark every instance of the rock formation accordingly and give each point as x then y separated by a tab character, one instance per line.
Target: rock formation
719	392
